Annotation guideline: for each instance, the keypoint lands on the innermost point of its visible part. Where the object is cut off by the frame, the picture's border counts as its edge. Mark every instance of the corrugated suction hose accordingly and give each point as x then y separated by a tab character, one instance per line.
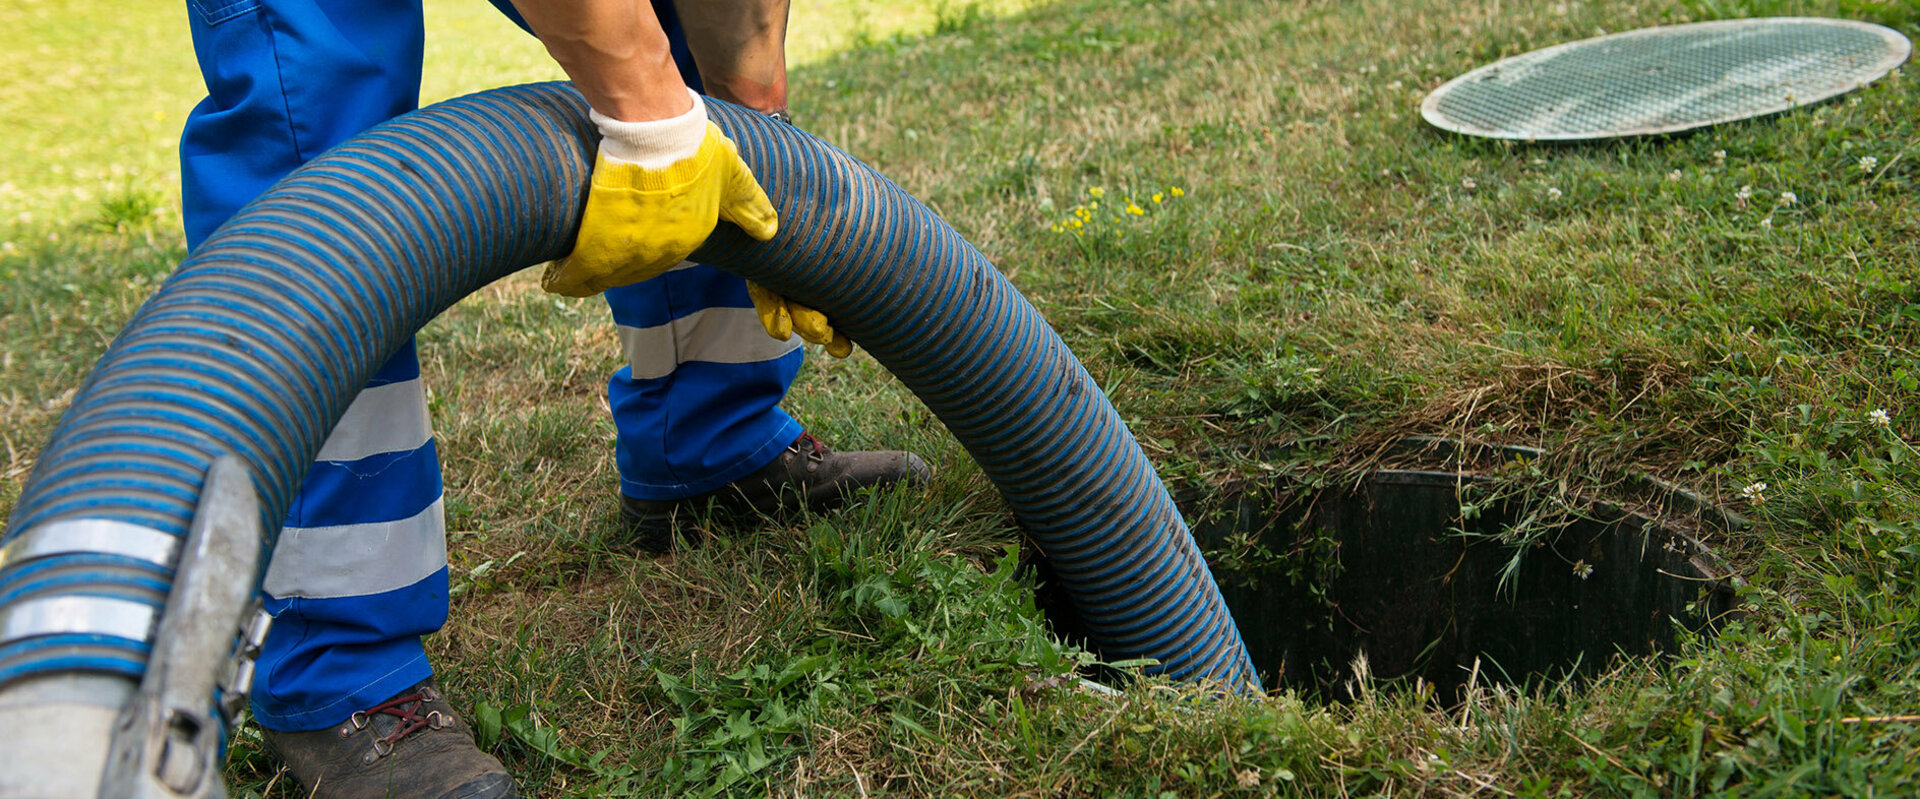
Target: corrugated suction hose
258	342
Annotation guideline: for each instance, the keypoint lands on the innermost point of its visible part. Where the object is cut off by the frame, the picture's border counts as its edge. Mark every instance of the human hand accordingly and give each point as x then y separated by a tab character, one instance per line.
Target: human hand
783	317
658	190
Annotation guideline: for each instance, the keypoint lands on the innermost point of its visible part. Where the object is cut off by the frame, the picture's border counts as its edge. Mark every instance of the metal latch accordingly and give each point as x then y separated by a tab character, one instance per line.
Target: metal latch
169	739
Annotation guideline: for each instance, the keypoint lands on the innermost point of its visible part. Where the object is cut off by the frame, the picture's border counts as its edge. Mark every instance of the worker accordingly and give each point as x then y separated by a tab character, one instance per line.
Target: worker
345	693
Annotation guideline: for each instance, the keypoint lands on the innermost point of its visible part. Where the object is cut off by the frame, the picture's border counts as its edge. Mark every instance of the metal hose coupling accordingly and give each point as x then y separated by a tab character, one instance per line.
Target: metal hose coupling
165	737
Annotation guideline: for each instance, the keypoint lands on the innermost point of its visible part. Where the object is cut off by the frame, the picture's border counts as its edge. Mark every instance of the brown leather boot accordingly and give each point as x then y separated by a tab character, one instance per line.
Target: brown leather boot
409	746
808	474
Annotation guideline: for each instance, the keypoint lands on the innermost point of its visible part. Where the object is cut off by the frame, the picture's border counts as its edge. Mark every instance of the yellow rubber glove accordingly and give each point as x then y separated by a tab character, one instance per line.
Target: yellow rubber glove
658	190
783	317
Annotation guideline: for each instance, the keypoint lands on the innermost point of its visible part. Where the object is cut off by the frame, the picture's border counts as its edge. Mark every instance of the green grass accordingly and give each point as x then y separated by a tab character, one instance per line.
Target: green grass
1334	276
95	101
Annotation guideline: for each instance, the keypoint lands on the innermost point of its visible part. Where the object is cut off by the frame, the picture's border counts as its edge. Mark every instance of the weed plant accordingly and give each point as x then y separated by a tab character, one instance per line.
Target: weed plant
1732	310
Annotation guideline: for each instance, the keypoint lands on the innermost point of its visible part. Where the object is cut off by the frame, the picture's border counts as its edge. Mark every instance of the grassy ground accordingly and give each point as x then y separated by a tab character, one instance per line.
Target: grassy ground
1725	310
94	101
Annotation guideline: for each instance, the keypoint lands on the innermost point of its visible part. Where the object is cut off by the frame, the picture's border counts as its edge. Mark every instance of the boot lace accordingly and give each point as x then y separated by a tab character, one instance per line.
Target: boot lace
407	709
806	444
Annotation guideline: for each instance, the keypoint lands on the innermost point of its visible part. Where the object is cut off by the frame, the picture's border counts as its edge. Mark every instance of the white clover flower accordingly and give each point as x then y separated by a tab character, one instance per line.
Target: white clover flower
1788	198
1767	223
1743	193
1553	193
1878	417
1755	493
1868	163
1675	175
1469	184
1719	156
1582	569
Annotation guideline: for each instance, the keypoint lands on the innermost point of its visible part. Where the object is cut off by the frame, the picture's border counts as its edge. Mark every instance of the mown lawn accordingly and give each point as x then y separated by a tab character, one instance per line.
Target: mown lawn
1313	275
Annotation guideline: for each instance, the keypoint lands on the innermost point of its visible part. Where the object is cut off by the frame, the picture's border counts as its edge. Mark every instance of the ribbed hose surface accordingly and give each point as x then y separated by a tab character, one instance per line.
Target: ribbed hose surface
258	342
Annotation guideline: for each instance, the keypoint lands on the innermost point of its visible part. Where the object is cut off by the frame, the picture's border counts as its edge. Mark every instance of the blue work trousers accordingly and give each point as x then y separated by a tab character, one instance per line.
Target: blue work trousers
360	571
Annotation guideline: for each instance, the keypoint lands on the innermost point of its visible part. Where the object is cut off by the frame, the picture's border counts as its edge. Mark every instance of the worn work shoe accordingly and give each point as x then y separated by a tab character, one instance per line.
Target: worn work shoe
807	474
409	746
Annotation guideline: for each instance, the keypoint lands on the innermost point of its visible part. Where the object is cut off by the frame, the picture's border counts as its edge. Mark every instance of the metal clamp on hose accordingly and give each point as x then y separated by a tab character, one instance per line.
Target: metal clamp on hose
71	536
168	740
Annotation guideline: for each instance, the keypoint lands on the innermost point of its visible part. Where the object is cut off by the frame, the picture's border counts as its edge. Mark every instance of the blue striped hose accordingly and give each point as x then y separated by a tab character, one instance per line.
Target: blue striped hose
258	342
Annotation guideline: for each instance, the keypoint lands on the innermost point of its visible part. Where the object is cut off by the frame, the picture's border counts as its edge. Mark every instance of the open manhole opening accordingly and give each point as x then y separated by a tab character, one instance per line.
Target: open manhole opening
1418	572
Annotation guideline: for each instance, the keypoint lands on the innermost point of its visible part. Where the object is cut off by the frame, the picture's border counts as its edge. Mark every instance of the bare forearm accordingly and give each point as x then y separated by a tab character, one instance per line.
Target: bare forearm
615	52
741	49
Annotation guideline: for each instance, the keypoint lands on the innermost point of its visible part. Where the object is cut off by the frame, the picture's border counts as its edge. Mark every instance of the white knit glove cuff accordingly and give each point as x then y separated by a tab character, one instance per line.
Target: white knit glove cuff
655	144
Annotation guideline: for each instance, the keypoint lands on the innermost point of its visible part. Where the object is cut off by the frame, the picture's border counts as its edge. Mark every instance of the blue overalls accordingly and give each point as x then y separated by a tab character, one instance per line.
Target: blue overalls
360	572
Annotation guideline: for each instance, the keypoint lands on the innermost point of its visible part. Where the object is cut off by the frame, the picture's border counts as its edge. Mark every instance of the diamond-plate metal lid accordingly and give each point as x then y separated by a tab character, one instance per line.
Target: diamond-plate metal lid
1666	79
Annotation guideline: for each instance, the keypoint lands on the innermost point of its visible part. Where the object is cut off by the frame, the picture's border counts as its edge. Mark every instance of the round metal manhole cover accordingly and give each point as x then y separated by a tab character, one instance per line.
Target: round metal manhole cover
1666	79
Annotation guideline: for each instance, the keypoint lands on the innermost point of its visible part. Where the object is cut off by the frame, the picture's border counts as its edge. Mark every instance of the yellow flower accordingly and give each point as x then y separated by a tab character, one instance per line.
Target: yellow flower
1081	212
1157	197
1175	191
1096	191
1135	209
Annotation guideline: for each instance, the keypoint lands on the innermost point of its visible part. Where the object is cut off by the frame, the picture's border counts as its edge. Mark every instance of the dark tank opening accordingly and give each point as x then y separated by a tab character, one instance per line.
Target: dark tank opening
1450	576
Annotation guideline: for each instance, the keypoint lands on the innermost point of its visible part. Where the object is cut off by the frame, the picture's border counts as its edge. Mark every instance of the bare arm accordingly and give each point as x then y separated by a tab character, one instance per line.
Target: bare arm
741	49
615	52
